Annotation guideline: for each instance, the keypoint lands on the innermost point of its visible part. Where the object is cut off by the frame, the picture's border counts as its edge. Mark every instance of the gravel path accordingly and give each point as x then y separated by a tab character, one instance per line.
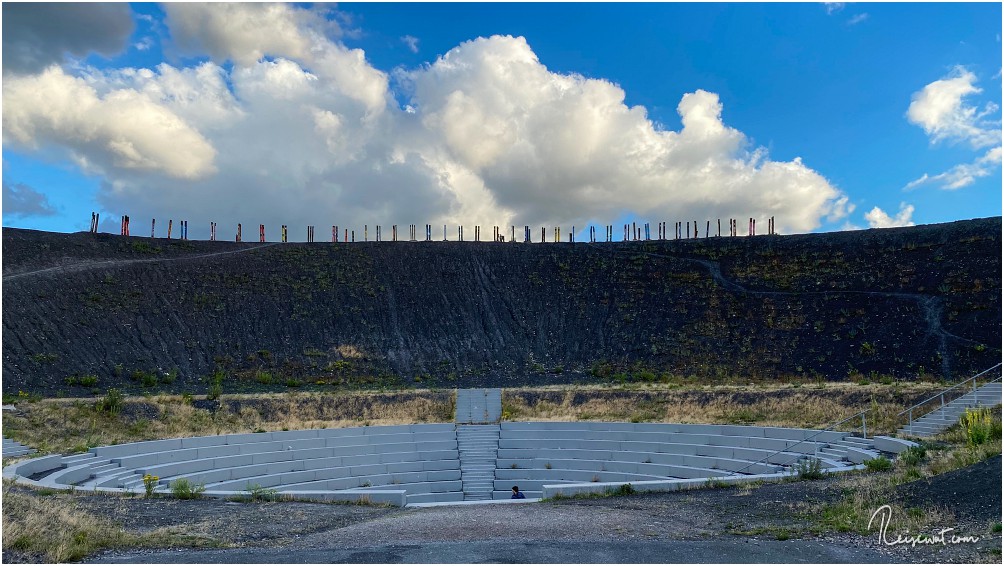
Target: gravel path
733	525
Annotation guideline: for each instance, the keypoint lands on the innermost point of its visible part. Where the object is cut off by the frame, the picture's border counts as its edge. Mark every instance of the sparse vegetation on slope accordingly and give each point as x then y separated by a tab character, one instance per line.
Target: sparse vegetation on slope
860	306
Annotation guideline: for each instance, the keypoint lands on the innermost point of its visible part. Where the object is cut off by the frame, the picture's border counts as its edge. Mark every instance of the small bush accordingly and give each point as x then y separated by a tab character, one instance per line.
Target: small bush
879	464
809	469
111	403
913	455
169	377
980	426
258	493
263	377
88	380
912	473
184	489
215	386
625	489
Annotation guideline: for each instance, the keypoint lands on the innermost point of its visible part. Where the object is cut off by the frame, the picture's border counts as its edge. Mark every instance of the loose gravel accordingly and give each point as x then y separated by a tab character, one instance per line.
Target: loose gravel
772	516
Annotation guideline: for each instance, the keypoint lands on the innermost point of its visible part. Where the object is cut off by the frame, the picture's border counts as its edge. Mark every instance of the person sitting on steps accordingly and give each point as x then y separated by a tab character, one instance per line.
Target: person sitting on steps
516	493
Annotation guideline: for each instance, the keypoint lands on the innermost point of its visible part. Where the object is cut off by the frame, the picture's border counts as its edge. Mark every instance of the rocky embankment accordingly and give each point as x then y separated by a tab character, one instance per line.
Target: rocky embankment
85	312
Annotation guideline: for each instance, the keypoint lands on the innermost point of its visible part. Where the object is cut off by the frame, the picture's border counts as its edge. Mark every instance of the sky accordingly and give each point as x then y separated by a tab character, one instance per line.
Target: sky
825	116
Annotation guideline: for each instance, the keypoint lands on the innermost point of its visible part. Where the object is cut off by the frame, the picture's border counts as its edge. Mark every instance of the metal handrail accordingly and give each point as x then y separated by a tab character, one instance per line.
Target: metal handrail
941	395
932	397
864	434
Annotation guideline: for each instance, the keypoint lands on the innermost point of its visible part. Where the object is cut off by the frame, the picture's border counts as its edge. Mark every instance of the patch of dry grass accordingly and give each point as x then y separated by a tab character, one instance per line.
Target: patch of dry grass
67	425
44	531
70	425
764	405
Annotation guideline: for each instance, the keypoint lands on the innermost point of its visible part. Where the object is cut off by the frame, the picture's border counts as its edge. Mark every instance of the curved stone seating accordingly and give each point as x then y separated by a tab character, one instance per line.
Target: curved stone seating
416	464
536	454
14	449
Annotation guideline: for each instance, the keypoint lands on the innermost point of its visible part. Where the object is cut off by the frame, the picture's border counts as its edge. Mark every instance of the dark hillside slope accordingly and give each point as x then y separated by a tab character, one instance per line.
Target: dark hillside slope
901	302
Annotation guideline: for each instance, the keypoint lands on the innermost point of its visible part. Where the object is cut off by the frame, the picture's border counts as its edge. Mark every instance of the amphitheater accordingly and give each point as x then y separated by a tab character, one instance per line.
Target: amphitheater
478	458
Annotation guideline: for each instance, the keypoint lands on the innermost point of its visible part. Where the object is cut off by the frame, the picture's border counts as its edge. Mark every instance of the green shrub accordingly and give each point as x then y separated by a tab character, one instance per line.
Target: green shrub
625	489
88	380
111	403
809	469
258	493
263	377
980	426
184	489
913	455
879	464
215	386
169	377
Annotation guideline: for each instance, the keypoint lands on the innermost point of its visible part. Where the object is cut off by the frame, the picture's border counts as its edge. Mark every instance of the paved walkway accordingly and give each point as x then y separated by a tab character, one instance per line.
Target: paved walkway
737	551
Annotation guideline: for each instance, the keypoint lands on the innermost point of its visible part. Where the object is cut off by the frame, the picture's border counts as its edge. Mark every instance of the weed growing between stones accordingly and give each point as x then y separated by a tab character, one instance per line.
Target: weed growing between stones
809	469
256	493
184	489
149	483
880	464
913	455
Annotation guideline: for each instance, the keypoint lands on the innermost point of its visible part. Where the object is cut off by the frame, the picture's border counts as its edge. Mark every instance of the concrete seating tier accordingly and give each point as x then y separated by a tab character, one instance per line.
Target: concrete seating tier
14	449
758	447
441	463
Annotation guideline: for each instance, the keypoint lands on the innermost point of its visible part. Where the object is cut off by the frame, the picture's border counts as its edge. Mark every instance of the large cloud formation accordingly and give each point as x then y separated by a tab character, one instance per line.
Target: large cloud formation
941	110
299	129
38	35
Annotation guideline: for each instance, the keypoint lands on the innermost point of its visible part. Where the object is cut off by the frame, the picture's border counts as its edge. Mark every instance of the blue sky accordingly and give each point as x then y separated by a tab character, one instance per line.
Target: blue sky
827	116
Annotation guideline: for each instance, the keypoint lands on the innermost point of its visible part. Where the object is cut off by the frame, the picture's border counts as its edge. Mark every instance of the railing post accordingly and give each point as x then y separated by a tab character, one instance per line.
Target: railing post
911	421
864	427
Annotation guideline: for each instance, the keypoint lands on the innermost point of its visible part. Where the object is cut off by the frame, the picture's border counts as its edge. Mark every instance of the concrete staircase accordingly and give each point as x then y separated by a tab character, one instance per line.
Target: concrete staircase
477	416
13	449
942	418
478	446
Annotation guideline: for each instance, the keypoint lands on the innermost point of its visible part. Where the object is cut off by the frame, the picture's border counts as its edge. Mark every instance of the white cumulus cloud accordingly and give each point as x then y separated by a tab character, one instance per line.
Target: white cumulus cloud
121	129
302	130
878	218
962	175
940	109
244	32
